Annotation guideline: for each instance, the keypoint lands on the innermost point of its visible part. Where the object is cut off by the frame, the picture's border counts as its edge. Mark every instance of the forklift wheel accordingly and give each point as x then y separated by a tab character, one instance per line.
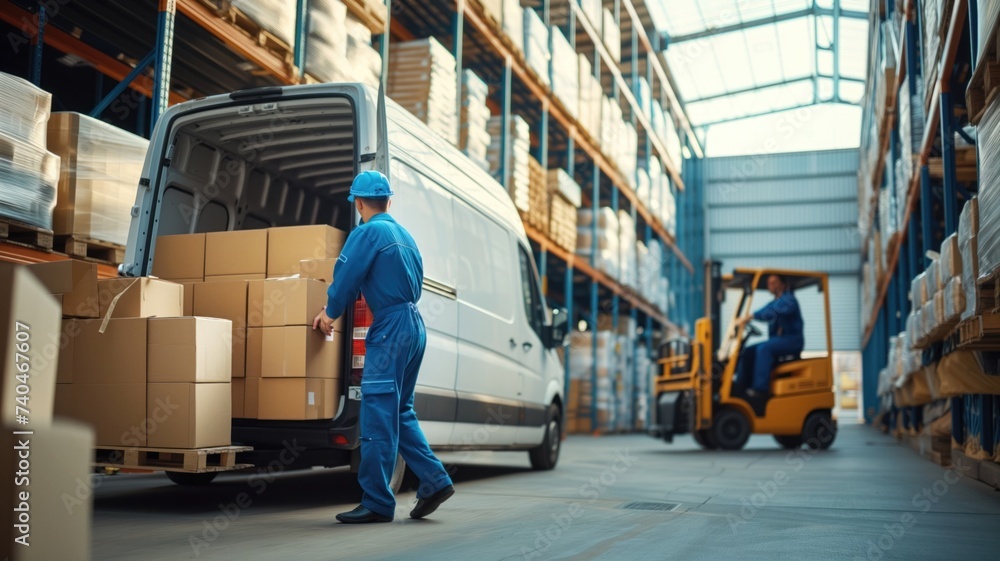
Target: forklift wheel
789	441
730	430
819	430
702	438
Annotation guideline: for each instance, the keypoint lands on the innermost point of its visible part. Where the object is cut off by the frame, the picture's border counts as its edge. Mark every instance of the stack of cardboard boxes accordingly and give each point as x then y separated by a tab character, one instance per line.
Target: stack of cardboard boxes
566	197
270	284
474	138
47	499
538	195
422	78
516	160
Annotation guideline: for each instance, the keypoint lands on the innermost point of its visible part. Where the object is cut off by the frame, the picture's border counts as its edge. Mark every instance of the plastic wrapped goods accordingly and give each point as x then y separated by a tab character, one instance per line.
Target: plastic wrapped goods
536	44
24	112
607	240
918	290
513	22
520	153
950	262
276	16
562	183
989	192
365	61
612	36
101	165
968	234
326	46
422	79
565	73
474	136
28	179
953	299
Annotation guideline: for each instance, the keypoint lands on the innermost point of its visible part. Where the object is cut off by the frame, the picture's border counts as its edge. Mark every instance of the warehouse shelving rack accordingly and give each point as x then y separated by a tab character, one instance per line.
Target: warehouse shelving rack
196	52
924	223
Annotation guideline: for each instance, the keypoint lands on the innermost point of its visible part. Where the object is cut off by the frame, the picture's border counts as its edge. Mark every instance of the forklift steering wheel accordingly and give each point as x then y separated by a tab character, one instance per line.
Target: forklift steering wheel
752	331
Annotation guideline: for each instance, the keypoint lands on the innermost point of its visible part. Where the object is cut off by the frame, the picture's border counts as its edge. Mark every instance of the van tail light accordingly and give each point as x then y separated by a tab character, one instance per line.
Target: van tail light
362	321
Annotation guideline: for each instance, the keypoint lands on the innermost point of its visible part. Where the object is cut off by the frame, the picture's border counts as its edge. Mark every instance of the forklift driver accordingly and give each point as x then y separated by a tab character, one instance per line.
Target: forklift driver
784	330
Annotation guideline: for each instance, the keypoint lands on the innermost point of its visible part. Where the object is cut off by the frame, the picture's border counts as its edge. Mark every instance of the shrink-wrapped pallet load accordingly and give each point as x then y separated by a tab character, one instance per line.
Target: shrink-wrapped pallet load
422	79
29	173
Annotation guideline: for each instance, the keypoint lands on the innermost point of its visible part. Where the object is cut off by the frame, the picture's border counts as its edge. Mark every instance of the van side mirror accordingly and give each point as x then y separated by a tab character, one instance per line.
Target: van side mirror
555	334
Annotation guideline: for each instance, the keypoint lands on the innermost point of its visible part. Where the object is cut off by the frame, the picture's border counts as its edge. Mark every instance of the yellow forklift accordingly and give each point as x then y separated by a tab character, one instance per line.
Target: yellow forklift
696	392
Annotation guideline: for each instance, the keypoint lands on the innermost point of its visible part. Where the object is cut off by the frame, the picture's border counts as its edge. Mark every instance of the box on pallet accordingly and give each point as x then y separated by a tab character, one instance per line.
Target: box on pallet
291	399
74	283
422	79
280	302
287	246
513	23
188	350
237	253
100	169
294	352
116	412
968	245
199	417
226	300
536	45
29	336
29	173
140	298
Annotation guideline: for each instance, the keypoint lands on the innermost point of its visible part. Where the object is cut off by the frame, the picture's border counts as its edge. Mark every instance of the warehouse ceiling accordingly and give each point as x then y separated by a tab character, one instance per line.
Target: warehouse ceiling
737	59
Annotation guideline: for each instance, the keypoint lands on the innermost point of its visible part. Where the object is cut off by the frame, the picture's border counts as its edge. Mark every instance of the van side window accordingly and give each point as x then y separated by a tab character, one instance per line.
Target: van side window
424	208
532	299
485	263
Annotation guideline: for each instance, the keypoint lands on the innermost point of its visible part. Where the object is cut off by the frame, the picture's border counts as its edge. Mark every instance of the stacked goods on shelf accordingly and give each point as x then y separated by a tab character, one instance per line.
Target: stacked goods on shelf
422	79
672	140
868	287
968	245
28	172
592	9
611	35
275	16
655	288
538	197
100	169
629	274
60	451
566	198
935	17
513	23
519	144
326	49
885	70
565	73
643	377
591	96
888	214
989	193
606	258
536	45
642	188
474	138
911	132
493	9
949	277
668	206
365	62
583	371
270	335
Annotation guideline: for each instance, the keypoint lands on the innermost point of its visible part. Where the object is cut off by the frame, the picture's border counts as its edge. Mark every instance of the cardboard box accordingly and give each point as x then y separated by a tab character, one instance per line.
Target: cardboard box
117	356
75	282
67	346
298	399
29	327
287	246
140	298
255	346
238	393
191	349
239	277
198	415
300	352
318	269
252	398
226	300
117	412
236	253
278	302
60	495
180	258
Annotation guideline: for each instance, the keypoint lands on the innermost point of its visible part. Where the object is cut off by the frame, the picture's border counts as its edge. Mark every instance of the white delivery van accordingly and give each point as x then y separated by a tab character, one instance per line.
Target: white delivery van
270	157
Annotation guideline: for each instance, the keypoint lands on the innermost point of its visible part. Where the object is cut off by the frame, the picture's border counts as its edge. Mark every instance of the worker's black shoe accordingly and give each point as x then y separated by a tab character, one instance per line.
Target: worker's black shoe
430	504
362	515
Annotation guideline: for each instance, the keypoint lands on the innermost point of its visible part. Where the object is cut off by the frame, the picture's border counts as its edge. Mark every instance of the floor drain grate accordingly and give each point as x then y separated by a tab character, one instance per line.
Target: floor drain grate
666	507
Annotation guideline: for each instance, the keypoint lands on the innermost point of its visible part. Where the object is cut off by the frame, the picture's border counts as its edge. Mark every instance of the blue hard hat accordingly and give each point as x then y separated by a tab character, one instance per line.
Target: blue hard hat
370	184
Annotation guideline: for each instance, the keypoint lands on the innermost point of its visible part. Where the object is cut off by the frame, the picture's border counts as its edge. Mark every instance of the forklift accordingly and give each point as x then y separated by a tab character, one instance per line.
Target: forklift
695	388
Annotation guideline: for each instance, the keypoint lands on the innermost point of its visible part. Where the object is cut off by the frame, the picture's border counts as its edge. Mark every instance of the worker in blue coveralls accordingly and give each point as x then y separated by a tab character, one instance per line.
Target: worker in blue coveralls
381	260
784	332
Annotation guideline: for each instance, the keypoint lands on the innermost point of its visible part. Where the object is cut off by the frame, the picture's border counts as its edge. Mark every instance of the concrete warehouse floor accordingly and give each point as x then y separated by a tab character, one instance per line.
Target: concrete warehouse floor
867	498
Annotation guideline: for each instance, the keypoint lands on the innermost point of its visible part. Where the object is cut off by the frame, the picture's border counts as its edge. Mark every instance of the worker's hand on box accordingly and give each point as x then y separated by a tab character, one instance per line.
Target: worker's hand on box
323	323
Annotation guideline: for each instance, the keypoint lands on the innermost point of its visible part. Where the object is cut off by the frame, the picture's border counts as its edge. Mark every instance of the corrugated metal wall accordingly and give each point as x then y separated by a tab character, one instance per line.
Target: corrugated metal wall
794	211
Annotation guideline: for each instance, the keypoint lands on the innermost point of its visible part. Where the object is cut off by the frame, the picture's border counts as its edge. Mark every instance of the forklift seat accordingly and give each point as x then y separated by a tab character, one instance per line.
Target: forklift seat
787	358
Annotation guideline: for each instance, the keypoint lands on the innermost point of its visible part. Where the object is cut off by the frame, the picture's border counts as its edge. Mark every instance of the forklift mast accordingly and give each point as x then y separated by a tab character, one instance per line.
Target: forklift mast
715	296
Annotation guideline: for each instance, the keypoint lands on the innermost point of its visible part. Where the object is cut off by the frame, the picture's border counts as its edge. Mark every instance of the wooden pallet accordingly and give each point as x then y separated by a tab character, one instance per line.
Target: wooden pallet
226	11
985	78
965	165
979	333
91	250
371	12
196	460
25	234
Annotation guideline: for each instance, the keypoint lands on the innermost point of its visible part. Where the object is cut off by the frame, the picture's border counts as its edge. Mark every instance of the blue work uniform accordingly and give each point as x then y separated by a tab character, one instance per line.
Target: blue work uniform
784	330
381	260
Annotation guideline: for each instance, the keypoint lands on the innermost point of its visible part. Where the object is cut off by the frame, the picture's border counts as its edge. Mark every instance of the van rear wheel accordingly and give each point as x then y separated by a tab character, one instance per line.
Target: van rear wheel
191	479
546	455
